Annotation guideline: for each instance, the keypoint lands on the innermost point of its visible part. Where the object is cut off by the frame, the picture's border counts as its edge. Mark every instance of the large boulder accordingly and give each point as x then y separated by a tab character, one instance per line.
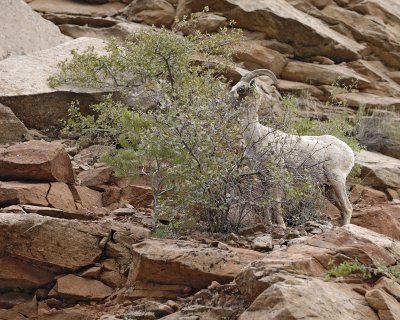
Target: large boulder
309	298
51	243
280	20
151	12
12	129
23	31
24	88
186	263
36	161
379	171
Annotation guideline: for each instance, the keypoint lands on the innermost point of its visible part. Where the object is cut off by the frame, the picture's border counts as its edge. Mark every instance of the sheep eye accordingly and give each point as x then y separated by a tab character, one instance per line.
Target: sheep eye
241	91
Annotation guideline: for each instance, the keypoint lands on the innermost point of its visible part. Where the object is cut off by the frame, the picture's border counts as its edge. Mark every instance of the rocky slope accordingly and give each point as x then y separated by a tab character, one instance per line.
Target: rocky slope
75	240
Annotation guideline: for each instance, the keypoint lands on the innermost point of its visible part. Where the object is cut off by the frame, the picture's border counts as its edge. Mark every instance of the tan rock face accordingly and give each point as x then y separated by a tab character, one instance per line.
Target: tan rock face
95	177
26	92
37	161
255	56
184	263
323	74
86	197
379	171
384	219
383	303
13	192
60	197
74	287
34	32
280	20
13	130
309	298
157	12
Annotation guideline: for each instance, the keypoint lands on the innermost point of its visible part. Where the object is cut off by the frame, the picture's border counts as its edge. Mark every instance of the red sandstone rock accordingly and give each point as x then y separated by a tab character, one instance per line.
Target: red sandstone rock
36	161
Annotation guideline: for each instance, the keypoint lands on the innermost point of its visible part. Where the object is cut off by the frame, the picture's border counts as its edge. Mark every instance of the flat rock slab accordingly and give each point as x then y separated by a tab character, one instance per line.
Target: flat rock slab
74	287
185	263
320	74
24	88
379	171
76	7
36	161
18	274
371	101
309	298
14	192
28	32
51	243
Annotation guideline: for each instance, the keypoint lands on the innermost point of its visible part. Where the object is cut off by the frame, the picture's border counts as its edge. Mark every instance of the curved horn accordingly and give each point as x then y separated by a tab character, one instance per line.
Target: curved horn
259	72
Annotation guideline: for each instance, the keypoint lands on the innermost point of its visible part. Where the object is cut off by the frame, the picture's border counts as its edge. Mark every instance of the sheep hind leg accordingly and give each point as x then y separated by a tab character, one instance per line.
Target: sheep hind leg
344	204
277	208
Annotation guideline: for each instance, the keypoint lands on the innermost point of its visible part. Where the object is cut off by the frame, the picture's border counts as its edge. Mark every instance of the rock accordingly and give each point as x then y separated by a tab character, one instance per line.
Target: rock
281	21
319	74
95	177
137	195
378	171
13	209
255	56
120	31
371	101
263	242
315	255
36	161
384	304
113	279
391	151
57	213
205	23
76	7
19	274
92	272
60	197
86	197
34	32
383	219
185	263
77	288
149	290
378	36
299	88
10	299
26	92
309	298
366	195
12	193
151	12
49	242
390	286
13	130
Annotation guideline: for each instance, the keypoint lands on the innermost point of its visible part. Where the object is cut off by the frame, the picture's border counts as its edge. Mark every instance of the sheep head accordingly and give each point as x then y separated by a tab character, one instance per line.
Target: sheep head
247	83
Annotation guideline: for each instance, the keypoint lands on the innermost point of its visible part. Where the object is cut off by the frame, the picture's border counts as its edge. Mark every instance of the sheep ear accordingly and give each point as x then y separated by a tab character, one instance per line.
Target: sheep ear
252	83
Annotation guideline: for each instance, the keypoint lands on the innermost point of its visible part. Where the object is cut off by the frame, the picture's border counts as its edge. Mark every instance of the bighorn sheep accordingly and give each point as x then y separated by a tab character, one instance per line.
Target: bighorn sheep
328	157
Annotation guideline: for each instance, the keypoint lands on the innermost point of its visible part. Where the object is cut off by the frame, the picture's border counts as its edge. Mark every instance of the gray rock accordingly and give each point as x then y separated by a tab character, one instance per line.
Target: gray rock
12	129
22	30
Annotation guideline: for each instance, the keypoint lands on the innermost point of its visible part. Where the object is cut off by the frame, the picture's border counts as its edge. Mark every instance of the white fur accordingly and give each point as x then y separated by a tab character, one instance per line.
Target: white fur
329	158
